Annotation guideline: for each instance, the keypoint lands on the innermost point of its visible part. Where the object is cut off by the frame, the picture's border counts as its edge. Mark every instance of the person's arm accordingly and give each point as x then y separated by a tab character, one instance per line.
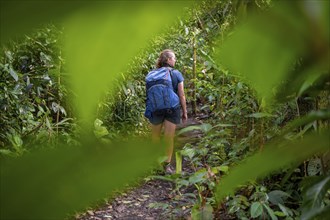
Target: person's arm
182	101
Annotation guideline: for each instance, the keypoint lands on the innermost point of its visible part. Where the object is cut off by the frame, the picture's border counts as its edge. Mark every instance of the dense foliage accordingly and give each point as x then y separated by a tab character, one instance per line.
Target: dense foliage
193	34
32	94
238	122
241	123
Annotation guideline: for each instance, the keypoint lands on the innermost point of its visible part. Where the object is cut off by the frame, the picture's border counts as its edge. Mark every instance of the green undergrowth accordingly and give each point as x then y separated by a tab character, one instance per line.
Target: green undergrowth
262	82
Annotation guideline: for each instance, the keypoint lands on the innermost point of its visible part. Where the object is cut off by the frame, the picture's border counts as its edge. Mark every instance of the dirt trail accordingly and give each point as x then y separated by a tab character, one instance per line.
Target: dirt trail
154	199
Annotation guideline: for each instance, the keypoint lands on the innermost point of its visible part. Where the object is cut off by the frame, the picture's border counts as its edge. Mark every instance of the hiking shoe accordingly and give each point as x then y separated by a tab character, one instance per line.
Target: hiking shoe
169	169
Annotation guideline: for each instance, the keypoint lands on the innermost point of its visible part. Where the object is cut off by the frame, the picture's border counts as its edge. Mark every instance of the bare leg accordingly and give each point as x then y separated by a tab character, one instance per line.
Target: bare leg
156	130
169	131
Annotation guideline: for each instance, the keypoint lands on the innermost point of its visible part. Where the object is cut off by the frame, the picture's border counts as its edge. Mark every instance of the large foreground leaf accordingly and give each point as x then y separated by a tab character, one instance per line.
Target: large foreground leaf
265	50
51	184
100	44
313	199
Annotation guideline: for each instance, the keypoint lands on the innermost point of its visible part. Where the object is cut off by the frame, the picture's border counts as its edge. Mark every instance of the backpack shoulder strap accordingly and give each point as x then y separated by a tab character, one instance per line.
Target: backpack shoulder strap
171	74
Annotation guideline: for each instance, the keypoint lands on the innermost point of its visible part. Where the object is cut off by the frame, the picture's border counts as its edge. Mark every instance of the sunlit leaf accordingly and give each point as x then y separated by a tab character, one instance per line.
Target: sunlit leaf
256	209
189	152
203	213
198	176
13	74
189	128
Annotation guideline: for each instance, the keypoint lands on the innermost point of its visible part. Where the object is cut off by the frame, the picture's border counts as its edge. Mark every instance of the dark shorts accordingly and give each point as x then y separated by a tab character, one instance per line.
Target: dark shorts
172	115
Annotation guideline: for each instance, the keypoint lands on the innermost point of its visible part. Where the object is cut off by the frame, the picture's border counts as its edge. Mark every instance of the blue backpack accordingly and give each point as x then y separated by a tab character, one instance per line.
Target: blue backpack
160	93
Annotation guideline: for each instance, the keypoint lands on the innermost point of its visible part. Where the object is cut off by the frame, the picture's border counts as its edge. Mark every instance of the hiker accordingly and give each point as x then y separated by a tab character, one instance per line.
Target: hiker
165	98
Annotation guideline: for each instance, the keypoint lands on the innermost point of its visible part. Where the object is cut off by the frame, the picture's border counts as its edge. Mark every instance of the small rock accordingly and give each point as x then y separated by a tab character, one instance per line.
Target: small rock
126	202
107	216
141	199
90	212
120	208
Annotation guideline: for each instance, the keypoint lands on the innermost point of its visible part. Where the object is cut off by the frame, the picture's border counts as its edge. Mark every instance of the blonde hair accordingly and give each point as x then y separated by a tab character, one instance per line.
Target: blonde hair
163	57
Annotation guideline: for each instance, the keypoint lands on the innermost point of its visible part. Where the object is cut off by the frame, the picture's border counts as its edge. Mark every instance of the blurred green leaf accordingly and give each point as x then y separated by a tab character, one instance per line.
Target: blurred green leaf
101	43
313	198
273	41
99	130
6	152
310	117
312	78
59	182
21	17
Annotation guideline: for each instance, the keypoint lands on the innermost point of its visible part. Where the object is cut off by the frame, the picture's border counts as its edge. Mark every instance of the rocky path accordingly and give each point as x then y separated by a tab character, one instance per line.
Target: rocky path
136	204
153	199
